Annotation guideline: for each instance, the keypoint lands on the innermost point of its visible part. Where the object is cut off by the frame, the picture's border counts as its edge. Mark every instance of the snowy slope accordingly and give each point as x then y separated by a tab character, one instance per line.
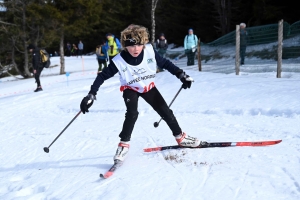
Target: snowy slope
218	107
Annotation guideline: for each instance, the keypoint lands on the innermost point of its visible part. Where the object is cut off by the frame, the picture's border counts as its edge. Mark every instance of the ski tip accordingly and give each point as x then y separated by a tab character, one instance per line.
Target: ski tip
106	175
152	149
278	141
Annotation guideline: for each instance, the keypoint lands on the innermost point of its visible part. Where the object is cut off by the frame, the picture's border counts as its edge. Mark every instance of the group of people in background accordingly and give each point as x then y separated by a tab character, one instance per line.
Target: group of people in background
109	48
74	50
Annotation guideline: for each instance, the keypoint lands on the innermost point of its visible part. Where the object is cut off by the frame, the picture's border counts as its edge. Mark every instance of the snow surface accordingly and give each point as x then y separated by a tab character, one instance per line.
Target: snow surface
218	107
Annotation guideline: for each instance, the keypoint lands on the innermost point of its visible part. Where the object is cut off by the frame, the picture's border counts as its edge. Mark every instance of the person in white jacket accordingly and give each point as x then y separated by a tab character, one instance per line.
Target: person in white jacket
190	47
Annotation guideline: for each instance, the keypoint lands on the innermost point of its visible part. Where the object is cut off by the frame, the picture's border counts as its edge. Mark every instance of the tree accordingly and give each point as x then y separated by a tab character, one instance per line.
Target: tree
153	7
75	18
223	9
15	13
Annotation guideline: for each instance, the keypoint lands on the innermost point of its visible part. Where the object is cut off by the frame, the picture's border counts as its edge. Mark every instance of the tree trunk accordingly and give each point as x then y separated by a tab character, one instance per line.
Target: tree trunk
13	58
62	57
26	69
153	7
223	9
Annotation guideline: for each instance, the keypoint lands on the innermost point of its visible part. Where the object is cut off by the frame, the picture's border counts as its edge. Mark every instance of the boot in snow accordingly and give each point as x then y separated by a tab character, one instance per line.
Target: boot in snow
187	141
122	151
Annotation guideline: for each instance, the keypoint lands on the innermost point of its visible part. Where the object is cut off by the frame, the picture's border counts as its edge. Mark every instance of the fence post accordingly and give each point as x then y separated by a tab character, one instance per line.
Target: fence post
237	50
199	56
279	50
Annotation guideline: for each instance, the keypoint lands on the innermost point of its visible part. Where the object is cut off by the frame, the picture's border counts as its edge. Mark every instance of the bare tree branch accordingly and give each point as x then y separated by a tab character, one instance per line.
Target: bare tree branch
6	23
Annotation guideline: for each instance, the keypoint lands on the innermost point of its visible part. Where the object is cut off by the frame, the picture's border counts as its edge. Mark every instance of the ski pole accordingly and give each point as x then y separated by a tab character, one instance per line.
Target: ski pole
157	123
46	149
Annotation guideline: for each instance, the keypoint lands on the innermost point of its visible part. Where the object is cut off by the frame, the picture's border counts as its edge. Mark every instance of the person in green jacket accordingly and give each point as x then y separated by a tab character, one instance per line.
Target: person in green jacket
190	47
113	46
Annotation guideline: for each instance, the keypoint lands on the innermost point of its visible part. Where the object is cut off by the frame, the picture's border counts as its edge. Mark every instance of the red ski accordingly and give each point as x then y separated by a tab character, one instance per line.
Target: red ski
111	171
217	144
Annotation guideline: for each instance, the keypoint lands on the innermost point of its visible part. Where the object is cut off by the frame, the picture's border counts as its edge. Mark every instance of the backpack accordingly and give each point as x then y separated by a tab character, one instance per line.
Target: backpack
45	58
158	42
102	51
188	36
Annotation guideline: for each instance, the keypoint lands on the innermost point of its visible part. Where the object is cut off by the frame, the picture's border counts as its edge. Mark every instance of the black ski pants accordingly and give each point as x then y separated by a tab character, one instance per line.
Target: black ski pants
37	76
152	97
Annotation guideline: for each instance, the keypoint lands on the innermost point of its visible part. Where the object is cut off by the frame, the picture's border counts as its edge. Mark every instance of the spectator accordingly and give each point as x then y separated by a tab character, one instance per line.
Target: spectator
74	50
37	65
80	48
243	42
113	46
102	57
68	49
190	47
161	47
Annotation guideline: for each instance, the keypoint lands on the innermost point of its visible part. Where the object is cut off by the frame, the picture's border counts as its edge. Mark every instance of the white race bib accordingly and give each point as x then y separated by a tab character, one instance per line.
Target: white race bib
139	78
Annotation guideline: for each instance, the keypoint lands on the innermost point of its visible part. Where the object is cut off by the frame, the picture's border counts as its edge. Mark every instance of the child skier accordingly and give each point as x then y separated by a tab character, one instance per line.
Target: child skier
136	65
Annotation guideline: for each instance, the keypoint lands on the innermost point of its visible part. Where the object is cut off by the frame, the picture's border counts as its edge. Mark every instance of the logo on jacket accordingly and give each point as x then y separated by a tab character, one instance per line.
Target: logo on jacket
139	71
150	60
124	70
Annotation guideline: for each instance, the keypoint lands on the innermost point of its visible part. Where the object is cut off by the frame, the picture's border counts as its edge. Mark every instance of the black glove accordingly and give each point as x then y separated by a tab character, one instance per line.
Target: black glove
87	102
186	80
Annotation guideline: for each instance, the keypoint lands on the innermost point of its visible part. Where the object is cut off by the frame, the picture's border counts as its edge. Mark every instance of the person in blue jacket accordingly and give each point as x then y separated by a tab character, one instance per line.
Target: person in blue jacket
190	47
102	57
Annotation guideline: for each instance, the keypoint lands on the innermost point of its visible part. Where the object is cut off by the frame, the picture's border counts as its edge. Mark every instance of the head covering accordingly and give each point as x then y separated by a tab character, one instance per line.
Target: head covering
30	46
131	41
190	30
243	24
109	34
162	34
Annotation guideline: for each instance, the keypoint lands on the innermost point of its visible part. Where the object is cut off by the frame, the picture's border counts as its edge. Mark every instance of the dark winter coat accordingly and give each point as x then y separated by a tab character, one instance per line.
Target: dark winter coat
111	70
243	37
36	58
162	44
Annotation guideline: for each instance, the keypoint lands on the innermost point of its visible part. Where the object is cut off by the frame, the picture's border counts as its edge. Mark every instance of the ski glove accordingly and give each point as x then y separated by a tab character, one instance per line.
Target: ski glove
87	102
186	80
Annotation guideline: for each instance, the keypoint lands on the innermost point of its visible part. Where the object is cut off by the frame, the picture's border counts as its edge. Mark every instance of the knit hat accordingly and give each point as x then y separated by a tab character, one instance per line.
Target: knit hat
109	34
162	34
30	46
243	24
190	30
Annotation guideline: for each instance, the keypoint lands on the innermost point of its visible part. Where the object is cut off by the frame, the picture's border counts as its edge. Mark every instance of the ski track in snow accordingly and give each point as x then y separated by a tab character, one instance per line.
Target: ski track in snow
218	107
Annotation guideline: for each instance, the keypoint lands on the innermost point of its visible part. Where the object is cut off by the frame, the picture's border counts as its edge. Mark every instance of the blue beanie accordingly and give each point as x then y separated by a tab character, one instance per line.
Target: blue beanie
191	29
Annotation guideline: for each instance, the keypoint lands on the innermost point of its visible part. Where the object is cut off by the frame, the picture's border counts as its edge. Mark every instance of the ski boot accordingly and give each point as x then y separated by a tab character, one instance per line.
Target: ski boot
185	140
38	89
122	151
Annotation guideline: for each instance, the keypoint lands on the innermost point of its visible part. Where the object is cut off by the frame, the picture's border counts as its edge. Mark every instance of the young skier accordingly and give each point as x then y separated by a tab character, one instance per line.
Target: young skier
136	65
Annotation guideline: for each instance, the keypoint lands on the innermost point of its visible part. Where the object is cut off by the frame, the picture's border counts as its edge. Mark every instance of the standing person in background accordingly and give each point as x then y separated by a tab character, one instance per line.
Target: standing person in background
113	46
68	49
161	47
190	47
37	65
74	50
80	48
102	57
243	42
